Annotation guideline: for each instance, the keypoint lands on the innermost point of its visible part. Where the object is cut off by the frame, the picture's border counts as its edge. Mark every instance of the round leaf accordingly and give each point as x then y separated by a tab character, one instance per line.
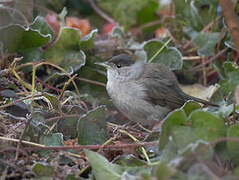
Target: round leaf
207	126
169	56
233	147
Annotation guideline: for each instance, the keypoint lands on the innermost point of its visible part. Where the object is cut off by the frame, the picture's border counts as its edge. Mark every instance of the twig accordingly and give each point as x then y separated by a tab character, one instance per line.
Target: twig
158	52
204	72
99	150
84	105
222	139
24	142
60	117
66	85
91	81
101	13
136	140
79	147
93	147
152	23
17	101
32	110
191	58
47	85
210	60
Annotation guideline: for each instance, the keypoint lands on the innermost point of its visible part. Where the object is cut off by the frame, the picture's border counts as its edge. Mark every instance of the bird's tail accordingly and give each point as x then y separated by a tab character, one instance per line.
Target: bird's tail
201	101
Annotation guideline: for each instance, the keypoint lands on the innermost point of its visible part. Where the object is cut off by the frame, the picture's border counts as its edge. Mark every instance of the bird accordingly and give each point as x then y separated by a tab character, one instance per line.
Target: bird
144	92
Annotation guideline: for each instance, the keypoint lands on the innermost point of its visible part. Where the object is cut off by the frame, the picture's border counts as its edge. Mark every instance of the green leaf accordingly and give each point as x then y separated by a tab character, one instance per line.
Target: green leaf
68	125
92	127
125	11
88	41
72	177
129	160
117	32
55	139
148	13
42	27
163	171
183	136
174	120
169	56
52	100
232	146
207	126
169	152
188	12
16	38
43	170
31	55
65	51
190	106
231	80
206	43
102	169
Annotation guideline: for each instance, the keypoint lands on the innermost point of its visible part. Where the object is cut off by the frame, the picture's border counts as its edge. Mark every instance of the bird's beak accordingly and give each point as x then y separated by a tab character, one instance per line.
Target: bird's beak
104	64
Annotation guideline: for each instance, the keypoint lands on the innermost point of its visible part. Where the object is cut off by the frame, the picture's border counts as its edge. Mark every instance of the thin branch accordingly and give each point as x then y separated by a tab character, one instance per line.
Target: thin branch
94	147
223	139
47	85
191	58
101	13
209	61
17	101
79	147
91	81
152	23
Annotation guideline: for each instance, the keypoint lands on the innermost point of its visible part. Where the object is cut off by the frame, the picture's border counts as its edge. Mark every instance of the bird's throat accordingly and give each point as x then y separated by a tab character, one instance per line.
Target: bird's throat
126	73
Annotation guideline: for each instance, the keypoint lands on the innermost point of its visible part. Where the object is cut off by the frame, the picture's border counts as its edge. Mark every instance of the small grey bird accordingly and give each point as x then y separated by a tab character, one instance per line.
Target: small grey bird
144	92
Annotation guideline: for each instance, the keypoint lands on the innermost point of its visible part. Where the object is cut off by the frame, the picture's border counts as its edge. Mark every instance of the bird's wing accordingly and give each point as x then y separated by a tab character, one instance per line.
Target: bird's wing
161	86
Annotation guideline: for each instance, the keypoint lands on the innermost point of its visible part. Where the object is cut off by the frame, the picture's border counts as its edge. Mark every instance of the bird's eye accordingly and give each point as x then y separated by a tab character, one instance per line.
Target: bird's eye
118	65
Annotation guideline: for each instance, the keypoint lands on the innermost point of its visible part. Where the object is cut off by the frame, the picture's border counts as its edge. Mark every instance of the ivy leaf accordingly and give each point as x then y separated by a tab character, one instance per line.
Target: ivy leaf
231	80
102	169
169	56
188	12
65	51
174	120
232	146
55	139
125	11
43	170
92	127
206	43
88	41
207	126
16	38
40	25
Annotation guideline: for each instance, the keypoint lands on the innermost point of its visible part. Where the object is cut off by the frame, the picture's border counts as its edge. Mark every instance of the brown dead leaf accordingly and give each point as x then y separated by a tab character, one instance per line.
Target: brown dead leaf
82	24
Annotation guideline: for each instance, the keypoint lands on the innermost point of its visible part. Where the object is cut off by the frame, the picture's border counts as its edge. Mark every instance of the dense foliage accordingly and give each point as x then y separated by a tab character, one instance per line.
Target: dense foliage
54	110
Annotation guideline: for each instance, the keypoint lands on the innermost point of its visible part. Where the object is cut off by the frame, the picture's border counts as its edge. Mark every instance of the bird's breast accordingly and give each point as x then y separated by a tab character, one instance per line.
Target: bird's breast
125	92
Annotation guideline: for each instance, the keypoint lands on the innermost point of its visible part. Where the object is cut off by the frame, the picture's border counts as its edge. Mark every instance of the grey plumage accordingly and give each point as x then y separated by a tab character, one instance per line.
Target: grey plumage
144	92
